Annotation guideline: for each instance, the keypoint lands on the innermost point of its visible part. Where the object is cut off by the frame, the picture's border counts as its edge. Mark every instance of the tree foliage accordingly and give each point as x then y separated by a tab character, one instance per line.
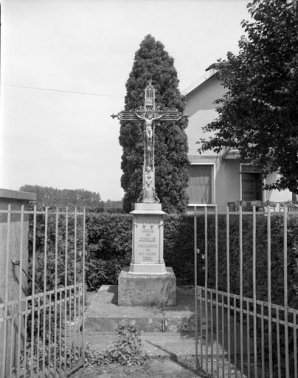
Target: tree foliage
259	114
171	174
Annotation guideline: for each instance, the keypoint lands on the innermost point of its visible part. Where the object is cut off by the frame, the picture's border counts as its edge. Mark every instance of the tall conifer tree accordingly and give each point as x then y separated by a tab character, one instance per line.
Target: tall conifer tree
171	174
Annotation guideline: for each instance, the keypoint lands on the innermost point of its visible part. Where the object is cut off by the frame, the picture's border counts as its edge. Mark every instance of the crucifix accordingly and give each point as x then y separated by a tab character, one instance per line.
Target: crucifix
149	113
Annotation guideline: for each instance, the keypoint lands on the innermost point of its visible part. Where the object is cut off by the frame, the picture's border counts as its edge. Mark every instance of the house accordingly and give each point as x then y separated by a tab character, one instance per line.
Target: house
219	178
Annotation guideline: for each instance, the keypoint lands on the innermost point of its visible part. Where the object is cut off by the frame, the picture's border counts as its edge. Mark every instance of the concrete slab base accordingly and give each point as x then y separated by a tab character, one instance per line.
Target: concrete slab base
104	314
146	289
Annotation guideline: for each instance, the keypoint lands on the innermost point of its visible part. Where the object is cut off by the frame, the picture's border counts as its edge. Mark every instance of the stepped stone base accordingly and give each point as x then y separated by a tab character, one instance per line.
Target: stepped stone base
104	314
147	290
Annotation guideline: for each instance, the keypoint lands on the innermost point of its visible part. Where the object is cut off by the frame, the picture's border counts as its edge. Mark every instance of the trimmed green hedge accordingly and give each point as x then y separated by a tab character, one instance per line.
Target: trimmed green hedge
109	246
110	237
277	257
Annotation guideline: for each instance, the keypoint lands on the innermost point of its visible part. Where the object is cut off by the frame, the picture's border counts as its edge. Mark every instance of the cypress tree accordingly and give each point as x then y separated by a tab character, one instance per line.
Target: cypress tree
171	174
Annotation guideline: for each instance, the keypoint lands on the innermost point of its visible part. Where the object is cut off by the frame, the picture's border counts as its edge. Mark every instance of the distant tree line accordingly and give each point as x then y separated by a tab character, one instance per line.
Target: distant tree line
48	196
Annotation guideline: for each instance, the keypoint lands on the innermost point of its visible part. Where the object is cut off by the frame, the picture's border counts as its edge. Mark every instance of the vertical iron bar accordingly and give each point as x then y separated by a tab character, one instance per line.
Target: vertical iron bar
44	291
286	290
33	290
206	284
248	339
263	340
5	330
56	286
228	289
65	288
278	342
83	278
295	344
254	280
211	291
71	328
75	278
71	336
25	336
216	285
12	341
269	291
38	333
196	285
223	334
60	331
235	337
78	321
201	325
20	292
241	286
50	332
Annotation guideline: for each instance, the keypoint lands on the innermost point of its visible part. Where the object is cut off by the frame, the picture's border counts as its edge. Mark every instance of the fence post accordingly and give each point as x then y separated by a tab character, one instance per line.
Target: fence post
14	228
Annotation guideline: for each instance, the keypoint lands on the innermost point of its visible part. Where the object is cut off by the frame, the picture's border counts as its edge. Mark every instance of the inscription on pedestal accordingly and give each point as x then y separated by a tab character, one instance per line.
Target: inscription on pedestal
147	240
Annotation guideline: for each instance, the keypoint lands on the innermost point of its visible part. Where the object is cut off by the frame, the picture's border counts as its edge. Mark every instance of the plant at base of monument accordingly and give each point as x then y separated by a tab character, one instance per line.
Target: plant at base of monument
125	351
171	174
258	116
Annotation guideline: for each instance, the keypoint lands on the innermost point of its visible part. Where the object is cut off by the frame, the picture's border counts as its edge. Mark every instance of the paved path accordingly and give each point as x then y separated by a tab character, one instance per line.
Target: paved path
175	344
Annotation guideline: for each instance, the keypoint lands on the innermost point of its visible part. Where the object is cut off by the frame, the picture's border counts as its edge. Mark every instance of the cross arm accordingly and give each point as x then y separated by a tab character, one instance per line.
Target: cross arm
170	115
163	115
126	116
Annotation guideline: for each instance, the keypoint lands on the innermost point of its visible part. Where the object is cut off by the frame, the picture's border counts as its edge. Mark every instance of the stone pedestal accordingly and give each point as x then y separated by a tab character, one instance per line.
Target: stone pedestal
146	289
147	240
147	282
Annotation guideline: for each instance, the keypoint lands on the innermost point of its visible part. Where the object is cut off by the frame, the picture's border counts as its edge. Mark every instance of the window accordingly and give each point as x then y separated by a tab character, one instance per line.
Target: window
251	183
200	184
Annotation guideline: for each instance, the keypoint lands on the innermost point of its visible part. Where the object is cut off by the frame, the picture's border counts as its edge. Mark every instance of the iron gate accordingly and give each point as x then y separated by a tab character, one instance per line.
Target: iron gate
41	314
247	294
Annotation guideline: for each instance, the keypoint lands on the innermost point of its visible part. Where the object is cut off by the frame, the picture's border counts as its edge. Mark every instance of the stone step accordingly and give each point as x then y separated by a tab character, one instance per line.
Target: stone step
159	345
104	314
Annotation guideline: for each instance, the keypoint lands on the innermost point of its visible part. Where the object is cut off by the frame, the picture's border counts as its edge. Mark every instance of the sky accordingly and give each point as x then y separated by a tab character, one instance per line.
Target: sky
64	65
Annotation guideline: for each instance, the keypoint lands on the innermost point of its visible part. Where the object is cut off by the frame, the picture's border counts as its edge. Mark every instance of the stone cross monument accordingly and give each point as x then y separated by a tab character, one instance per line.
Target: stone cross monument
149	113
148	281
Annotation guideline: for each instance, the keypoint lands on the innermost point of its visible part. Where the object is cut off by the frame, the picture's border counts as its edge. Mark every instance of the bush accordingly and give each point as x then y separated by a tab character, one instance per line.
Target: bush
126	351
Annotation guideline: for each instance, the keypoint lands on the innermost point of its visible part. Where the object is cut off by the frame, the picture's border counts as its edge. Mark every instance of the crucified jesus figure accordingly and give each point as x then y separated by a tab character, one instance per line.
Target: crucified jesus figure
148	124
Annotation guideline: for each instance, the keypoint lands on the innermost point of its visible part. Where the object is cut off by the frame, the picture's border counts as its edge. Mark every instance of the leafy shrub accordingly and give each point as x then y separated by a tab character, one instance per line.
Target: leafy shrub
125	351
102	272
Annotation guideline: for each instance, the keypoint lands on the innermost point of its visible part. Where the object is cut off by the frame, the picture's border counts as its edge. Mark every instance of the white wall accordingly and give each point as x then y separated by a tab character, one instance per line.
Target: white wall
275	195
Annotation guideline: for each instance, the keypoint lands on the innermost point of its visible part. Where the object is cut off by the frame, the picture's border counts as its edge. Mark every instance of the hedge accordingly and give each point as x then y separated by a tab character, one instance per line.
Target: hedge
109	246
109	239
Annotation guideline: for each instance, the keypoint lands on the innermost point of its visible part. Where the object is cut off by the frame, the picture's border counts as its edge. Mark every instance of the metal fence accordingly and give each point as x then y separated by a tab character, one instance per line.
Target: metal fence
41	322
248	306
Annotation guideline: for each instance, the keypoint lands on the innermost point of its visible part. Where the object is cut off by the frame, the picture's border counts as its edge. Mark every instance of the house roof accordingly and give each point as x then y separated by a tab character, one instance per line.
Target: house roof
199	82
215	71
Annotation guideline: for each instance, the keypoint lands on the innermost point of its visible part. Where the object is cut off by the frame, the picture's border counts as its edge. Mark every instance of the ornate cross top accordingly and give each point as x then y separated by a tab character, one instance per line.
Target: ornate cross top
149	113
